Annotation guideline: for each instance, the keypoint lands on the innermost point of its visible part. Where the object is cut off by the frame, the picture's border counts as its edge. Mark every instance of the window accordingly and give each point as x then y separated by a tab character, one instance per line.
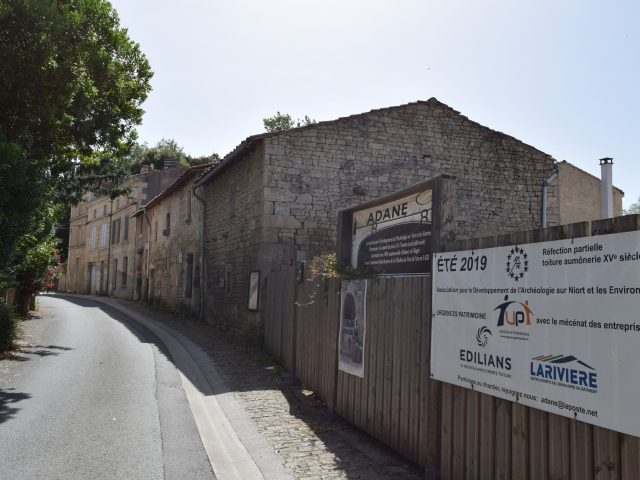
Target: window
103	236
114	274
115	231
104	210
188	194
95	212
125	233
93	238
125	266
156	234
167	223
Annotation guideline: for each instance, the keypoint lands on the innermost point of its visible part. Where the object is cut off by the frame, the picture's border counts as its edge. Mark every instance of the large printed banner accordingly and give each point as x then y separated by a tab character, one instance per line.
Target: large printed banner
553	325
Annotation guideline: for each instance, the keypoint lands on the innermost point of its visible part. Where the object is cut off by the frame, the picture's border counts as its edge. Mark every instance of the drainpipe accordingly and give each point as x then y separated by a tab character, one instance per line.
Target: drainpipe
203	229
545	190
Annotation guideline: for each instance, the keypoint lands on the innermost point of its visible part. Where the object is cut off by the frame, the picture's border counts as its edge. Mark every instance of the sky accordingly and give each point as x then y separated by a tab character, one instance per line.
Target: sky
560	75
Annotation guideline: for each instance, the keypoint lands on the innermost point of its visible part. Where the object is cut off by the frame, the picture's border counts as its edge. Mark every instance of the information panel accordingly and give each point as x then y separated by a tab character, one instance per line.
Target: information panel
552	325
394	237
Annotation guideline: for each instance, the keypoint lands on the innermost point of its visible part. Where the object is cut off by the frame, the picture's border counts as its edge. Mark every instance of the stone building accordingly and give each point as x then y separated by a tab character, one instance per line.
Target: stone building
275	198
171	234
103	240
574	196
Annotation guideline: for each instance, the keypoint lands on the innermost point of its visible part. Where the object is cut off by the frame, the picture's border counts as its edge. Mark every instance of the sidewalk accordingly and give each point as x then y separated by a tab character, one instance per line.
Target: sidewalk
291	420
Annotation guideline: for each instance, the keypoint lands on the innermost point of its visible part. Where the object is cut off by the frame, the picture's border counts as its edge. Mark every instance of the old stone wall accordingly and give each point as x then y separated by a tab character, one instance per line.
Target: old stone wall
312	173
233	220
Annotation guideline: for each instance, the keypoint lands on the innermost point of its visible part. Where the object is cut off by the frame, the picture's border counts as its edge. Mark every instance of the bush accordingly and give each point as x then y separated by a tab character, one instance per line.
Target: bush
8	327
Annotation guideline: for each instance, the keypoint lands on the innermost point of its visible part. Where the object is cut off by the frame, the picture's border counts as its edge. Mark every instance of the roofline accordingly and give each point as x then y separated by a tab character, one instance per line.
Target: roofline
587	173
191	172
251	140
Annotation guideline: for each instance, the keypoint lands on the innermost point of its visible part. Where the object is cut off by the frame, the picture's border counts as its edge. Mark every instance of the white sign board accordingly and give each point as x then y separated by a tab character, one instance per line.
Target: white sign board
552	325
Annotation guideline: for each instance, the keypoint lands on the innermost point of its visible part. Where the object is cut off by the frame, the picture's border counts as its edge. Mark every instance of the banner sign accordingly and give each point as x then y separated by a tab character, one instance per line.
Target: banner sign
552	325
394	237
353	321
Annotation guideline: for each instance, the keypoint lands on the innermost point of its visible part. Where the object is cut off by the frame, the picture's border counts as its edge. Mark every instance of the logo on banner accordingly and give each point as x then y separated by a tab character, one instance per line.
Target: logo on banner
565	371
482	337
513	313
517	263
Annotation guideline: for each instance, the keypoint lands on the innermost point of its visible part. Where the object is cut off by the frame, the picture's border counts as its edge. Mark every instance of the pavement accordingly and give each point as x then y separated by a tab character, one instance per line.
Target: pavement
90	395
242	400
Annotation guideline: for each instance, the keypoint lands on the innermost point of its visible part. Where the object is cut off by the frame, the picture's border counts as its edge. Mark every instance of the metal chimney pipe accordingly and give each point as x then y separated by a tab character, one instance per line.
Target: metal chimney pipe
606	187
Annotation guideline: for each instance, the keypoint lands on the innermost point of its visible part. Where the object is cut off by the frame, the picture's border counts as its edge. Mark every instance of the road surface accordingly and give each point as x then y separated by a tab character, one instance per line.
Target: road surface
93	395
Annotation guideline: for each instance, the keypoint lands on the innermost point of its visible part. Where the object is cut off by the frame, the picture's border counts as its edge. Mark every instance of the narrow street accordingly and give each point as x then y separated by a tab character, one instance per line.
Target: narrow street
91	396
104	388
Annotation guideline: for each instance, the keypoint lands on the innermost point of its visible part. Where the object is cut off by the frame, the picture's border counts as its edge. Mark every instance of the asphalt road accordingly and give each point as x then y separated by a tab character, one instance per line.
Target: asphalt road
94	395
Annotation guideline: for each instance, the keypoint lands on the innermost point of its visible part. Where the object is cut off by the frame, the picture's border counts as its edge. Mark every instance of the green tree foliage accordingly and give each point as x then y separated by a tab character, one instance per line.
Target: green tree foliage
283	121
71	88
165	149
633	208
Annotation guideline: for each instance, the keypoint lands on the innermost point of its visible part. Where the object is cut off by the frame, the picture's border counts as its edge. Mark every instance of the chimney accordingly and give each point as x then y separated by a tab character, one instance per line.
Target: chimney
171	163
606	187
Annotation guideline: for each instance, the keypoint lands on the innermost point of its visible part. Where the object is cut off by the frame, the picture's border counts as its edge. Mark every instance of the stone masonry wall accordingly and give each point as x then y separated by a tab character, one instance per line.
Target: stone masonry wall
234	214
171	248
579	197
312	173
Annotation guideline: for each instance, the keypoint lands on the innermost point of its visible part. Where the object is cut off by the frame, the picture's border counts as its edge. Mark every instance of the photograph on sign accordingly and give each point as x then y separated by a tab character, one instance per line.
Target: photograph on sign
254	287
394	237
551	325
353	297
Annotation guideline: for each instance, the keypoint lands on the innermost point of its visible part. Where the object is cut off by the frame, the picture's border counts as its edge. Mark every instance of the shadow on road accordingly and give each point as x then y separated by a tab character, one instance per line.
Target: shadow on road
8	398
25	353
254	376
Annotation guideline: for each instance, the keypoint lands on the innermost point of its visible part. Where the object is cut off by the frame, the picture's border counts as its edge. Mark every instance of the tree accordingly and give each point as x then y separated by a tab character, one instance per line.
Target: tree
283	121
633	208
71	88
165	149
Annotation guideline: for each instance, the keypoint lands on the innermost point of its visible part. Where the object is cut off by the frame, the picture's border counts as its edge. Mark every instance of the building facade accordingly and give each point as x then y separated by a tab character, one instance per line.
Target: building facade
274	200
104	240
171	239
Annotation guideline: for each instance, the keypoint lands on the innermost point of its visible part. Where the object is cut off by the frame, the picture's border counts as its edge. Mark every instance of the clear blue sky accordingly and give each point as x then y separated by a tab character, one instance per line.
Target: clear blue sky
561	75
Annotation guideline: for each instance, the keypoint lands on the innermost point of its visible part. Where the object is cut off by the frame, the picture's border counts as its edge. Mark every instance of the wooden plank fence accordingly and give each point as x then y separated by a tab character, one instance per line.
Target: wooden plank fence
486	437
455	433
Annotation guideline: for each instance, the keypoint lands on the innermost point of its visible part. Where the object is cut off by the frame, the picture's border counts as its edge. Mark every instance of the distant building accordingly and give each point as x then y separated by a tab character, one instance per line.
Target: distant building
575	196
171	238
103	239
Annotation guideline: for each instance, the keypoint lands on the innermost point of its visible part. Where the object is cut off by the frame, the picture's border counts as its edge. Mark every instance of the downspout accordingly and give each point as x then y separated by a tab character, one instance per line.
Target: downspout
203	228
545	189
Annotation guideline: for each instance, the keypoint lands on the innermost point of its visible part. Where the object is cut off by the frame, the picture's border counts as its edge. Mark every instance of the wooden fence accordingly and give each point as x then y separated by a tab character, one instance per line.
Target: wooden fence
486	437
278	310
455	433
